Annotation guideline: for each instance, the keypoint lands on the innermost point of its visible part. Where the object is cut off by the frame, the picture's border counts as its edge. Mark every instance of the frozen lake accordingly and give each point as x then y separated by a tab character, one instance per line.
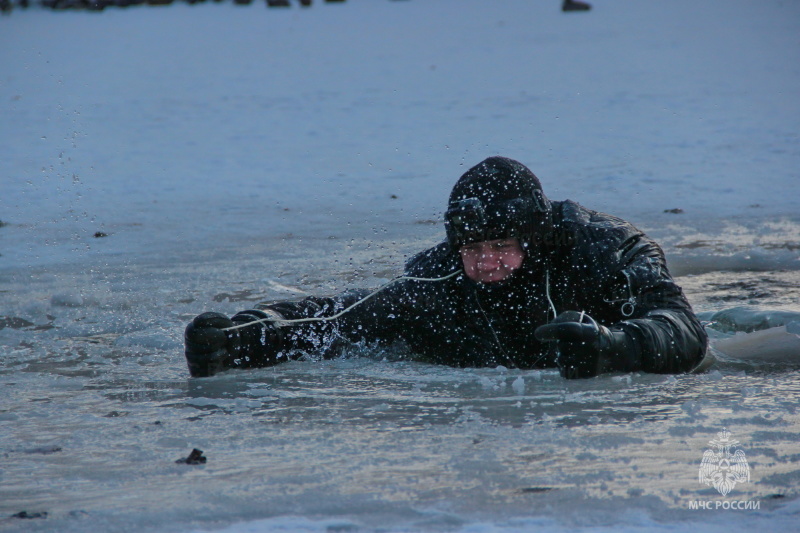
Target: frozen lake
236	154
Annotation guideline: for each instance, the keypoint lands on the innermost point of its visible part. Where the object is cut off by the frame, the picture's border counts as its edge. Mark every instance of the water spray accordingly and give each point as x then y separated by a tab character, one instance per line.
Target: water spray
284	321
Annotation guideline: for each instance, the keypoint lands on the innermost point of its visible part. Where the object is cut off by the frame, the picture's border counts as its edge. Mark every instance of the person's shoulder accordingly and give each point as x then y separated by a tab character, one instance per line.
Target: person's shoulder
570	213
572	216
599	238
436	261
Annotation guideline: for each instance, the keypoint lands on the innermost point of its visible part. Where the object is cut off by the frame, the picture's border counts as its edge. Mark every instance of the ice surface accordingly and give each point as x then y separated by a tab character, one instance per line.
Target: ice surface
167	129
235	154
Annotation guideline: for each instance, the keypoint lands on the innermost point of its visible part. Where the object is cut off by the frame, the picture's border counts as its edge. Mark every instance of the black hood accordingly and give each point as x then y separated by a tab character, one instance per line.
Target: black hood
497	199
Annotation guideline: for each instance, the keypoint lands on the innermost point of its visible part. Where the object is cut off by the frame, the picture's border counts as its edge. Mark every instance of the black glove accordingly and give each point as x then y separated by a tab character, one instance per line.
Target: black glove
584	348
211	347
207	344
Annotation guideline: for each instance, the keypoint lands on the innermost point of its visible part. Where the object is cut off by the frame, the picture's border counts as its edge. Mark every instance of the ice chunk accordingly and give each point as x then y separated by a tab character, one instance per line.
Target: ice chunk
486	383
773	345
67	300
749	319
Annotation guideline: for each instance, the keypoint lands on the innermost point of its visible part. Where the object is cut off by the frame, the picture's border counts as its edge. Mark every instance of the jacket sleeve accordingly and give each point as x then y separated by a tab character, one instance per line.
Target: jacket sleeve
323	327
320	327
666	335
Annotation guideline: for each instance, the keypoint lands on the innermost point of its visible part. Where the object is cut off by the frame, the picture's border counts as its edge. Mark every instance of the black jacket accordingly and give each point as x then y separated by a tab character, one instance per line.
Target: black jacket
591	262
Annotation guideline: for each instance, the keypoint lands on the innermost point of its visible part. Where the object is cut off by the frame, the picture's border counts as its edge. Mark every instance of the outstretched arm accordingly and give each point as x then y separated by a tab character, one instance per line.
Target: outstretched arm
281	331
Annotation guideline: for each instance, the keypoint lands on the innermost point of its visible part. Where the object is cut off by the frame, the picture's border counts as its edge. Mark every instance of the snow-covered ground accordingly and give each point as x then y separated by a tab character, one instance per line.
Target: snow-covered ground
231	154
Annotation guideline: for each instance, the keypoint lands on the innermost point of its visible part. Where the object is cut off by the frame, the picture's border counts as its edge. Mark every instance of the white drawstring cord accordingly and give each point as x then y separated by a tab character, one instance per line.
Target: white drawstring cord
282	321
547	292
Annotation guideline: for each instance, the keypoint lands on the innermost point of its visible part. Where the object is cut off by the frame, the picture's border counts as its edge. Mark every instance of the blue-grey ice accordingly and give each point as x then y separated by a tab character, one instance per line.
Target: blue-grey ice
158	162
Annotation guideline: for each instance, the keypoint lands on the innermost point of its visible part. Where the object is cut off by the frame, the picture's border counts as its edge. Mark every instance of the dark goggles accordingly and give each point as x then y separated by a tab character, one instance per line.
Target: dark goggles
466	216
470	220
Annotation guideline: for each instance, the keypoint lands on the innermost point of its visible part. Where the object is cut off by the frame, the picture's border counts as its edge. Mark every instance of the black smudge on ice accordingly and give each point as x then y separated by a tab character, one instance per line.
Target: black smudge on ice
26	515
195	458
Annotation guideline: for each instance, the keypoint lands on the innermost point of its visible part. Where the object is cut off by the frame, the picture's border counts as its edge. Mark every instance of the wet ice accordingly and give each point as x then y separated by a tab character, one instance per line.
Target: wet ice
220	183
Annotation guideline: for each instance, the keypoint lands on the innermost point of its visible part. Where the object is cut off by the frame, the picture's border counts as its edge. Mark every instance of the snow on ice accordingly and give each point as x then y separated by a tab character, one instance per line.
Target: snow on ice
158	162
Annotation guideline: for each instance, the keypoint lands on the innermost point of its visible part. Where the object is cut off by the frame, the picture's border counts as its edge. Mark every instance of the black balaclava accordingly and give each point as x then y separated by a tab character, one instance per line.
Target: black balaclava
501	198
498	198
